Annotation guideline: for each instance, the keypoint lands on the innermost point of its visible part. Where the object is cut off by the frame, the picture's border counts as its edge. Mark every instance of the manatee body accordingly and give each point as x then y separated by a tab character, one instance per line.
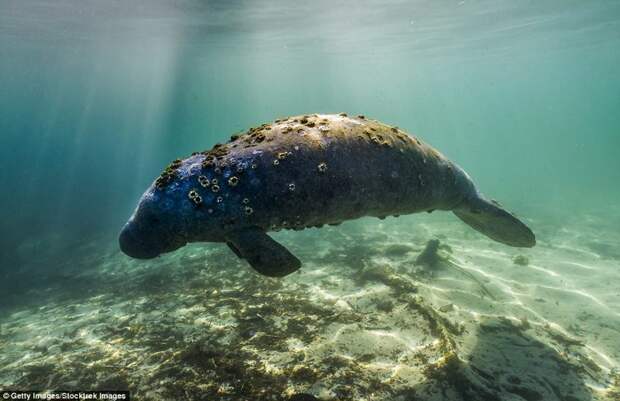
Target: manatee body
300	172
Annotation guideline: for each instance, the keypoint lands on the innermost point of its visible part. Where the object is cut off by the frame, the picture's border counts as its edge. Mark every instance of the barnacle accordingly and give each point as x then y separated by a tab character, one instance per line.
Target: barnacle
203	181
342	114
276	162
195	197
233	181
248	210
361	116
215	188
219	199
282	155
245	201
322	167
214	181
254	166
291	186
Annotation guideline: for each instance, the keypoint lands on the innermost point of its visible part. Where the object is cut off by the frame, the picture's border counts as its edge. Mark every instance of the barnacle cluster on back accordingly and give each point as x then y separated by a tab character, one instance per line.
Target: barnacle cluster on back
267	132
168	175
320	131
374	131
216	163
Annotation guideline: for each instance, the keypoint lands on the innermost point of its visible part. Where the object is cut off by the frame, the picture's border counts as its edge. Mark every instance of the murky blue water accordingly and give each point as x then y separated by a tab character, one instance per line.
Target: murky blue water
97	97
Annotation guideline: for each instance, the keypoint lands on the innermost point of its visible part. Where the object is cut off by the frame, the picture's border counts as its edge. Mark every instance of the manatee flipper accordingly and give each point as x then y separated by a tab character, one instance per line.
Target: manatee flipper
235	250
264	254
490	219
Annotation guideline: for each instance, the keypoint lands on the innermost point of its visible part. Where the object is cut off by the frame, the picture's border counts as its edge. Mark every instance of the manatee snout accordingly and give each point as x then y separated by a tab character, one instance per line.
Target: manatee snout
133	244
144	238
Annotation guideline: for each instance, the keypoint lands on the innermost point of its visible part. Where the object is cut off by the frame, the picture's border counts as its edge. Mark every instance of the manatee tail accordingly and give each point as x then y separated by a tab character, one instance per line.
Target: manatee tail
490	219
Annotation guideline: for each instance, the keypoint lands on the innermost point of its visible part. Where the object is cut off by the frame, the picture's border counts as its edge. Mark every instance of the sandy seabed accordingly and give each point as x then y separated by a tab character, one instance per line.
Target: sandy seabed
360	321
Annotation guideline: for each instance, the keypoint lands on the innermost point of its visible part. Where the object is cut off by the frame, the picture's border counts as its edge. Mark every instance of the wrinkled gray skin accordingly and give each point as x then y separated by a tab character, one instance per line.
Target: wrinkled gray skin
301	172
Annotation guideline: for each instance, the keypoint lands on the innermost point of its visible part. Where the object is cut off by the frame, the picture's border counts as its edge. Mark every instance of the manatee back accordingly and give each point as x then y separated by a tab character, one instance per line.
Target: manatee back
313	170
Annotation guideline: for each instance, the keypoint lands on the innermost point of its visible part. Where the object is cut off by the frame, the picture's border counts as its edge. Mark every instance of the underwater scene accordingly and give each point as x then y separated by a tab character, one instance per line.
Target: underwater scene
327	200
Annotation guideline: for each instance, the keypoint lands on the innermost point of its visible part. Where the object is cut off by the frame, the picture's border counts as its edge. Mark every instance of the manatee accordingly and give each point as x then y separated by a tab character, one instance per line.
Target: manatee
300	172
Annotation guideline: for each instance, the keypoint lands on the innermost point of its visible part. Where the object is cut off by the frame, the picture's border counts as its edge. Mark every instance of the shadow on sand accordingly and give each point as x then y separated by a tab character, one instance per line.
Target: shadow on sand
507	363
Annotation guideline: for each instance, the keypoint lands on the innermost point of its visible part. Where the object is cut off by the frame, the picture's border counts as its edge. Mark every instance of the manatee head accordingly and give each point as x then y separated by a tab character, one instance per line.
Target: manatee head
155	227
167	216
184	204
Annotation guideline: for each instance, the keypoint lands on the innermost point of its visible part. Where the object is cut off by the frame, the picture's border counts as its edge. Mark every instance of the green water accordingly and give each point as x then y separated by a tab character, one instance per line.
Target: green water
97	97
